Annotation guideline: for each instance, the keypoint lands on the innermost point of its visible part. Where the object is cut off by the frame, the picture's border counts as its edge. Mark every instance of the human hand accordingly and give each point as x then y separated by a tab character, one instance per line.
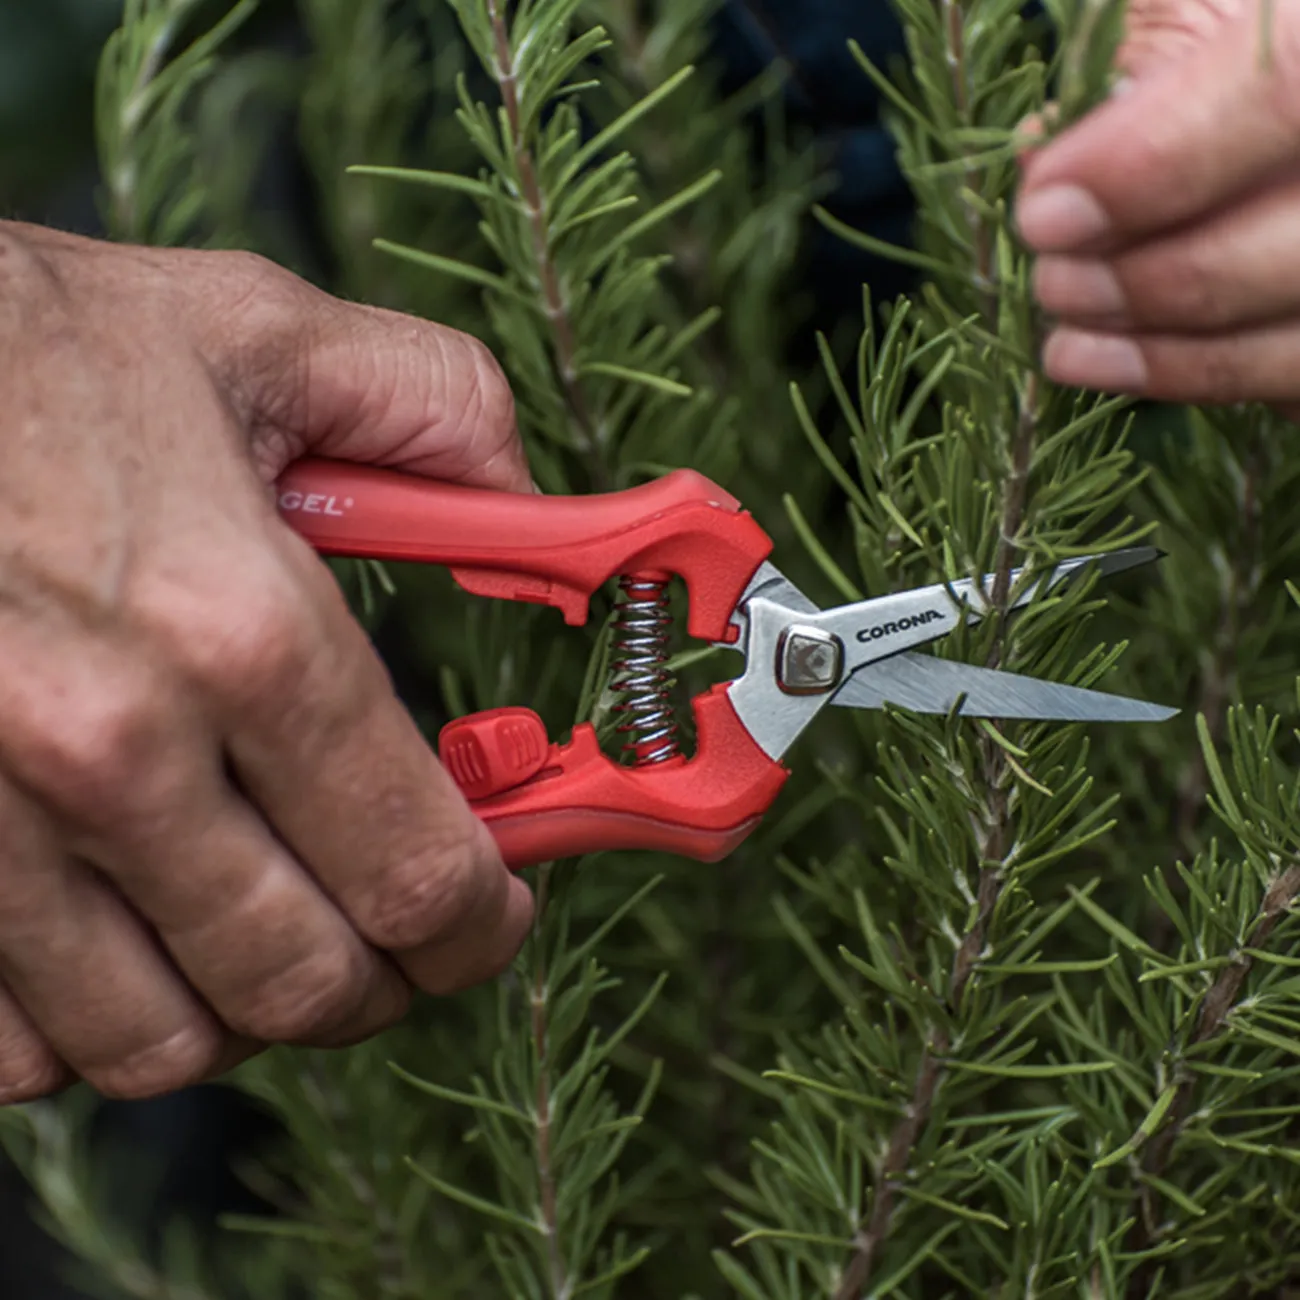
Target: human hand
1168	220
219	829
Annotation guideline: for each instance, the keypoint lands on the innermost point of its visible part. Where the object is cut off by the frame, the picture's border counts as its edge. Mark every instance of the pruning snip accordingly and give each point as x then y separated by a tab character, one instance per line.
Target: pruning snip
545	800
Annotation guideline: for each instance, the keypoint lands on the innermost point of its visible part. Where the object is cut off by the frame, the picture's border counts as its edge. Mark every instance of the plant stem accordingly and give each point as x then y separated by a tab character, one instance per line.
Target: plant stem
1015	497
992	847
992	851
539	1000
874	1232
1210	1021
1217	683
954	23
689	280
385	1267
548	275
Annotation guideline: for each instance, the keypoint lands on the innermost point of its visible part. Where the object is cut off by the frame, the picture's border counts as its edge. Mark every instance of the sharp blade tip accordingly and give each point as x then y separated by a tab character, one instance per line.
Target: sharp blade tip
1131	557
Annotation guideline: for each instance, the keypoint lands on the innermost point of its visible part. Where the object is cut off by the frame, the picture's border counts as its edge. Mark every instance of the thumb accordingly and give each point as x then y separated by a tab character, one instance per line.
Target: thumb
314	375
1193	131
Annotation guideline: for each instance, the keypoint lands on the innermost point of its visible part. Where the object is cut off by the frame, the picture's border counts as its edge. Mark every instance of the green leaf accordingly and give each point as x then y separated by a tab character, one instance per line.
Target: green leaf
604	138
1172	1193
791	1234
1121	933
312	1233
659	214
881	248
431	180
612	1274
830	1090
737	1277
1150	1122
891	1282
1267	1038
813	545
450	266
1061	1070
812	951
472	1100
1202	967
477	1203
657	382
952	1207
1082	966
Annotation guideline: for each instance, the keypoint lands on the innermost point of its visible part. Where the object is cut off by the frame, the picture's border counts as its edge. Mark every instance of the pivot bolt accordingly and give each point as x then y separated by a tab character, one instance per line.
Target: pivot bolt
809	661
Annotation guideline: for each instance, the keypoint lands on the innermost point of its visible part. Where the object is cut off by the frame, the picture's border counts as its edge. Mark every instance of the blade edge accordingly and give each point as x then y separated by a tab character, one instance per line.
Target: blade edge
924	684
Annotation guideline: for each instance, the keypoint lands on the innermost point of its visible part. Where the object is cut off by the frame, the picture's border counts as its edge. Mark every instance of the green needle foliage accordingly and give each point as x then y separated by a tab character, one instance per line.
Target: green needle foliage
983	1009
151	70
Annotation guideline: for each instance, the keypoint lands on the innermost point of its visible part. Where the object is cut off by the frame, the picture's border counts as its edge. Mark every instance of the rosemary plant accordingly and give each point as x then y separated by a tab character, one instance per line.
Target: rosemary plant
983	1010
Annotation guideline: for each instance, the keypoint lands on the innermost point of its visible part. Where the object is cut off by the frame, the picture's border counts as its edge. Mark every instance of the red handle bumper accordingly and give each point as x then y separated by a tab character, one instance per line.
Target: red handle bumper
565	800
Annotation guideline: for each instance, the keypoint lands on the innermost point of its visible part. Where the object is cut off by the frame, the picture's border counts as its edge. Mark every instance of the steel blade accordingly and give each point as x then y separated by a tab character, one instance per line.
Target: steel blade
884	626
1122	561
928	685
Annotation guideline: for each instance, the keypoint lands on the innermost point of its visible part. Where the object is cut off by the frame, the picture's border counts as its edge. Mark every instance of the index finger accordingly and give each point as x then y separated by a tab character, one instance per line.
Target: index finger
1186	138
319	743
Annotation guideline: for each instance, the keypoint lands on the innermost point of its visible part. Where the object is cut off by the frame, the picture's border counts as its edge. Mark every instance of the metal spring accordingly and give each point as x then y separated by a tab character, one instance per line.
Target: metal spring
639	674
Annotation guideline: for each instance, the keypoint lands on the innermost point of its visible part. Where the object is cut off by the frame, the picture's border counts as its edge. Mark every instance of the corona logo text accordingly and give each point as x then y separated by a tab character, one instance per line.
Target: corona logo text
899	625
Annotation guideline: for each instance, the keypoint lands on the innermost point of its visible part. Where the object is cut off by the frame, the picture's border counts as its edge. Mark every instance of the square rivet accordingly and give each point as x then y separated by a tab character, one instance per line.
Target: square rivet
809	661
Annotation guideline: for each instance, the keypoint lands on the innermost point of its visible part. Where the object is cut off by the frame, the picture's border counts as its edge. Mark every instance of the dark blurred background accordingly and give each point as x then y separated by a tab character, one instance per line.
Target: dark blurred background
48	52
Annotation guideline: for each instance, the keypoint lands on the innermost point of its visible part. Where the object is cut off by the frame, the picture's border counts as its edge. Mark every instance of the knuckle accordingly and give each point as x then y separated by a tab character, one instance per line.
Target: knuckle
251	282
488	405
1213	372
1180	288
261	646
1223	375
1155	30
372	1015
311	1001
424	898
491	390
446	980
190	1056
254	313
86	757
21	263
34	299
28	1070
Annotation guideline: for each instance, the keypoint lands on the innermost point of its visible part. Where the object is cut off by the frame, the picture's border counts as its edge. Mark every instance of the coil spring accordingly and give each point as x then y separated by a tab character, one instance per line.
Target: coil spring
639	673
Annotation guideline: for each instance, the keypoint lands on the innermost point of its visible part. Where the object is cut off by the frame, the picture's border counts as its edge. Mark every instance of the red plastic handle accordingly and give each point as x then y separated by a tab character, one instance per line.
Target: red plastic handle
544	549
571	799
540	800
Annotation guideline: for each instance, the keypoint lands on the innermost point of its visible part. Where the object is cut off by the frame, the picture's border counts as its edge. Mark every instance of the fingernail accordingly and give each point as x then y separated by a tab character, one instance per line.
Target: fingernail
1121	87
1029	132
1105	361
1059	218
1078	286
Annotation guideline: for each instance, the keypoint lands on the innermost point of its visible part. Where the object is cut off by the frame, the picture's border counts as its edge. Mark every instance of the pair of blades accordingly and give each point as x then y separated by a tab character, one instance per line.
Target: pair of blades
800	658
